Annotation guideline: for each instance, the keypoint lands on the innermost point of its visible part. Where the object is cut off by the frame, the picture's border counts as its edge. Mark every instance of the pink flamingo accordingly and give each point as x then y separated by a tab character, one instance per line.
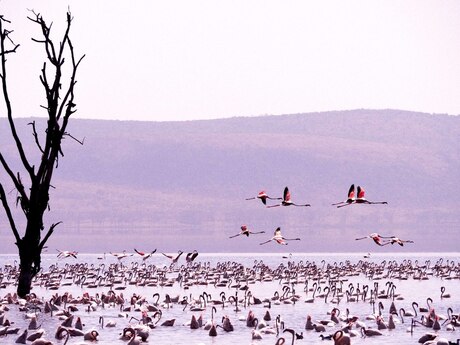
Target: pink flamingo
362	200
287	200
350	198
120	256
191	256
144	255
246	231
278	238
174	258
376	238
394	239
263	197
65	254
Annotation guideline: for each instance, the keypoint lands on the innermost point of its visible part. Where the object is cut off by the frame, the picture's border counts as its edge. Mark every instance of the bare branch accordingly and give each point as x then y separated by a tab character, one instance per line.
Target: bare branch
34	132
48	234
78	141
25	162
17	183
8	214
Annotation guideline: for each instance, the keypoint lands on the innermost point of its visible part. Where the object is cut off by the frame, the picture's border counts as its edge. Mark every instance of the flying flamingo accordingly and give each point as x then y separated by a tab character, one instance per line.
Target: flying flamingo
362	200
191	256
120	256
394	239
278	238
263	197
65	254
174	258
287	200
144	256
376	238
350	198
246	231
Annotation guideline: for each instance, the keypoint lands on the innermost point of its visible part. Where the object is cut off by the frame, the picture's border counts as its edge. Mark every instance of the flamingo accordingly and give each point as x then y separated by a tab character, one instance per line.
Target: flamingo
287	200
394	239
246	231
65	254
91	335
278	238
22	338
191	256
226	324
120	256
362	200
340	338
376	238
41	341
350	198
263	197
174	258
144	255
444	295
293	334
370	332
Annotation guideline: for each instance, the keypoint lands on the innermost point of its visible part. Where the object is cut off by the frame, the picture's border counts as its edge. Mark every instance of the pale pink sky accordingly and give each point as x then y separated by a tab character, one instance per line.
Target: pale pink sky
185	60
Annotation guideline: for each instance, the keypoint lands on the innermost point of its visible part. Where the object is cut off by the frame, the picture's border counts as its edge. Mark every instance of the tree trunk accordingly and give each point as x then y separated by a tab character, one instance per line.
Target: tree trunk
25	277
29	256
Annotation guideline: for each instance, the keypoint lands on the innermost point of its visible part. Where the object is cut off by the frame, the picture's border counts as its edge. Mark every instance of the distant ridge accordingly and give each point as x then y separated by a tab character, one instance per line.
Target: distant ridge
182	185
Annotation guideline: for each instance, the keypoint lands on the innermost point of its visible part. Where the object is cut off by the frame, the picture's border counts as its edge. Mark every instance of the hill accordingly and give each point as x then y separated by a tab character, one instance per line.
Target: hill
182	185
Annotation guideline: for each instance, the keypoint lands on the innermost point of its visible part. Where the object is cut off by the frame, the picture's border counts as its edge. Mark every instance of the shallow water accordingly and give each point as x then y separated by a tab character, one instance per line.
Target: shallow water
294	315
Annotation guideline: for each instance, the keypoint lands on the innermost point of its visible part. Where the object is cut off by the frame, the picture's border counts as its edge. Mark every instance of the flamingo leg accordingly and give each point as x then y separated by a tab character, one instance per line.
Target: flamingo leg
347	204
265	242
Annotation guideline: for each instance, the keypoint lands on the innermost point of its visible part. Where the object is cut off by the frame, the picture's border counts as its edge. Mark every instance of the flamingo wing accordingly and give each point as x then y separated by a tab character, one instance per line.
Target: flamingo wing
138	252
286	194
360	192
351	192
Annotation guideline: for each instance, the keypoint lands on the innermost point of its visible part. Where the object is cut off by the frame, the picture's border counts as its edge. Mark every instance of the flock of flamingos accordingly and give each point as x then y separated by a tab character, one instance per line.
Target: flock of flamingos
78	298
351	199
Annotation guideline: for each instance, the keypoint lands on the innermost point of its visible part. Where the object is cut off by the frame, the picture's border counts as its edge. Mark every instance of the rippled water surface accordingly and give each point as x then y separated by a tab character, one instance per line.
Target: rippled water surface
244	273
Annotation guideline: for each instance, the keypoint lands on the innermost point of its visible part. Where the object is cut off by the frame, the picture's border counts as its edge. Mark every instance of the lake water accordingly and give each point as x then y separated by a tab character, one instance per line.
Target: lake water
415	277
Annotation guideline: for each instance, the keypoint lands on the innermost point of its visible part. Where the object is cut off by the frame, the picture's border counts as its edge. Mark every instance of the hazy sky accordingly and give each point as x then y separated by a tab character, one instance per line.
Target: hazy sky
184	60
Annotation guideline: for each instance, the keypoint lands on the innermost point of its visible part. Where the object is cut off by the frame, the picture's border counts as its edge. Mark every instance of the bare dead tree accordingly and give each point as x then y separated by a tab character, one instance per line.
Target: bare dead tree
33	192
